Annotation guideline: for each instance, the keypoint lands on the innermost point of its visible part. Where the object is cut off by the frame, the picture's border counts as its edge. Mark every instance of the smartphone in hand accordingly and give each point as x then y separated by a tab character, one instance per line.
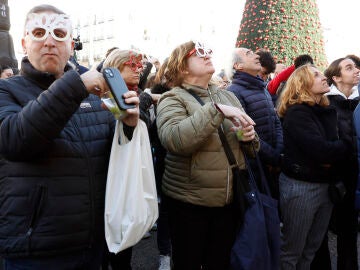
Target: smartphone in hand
117	87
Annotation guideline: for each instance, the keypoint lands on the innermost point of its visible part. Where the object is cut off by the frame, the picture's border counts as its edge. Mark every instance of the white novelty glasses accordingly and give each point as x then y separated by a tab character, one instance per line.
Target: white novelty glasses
201	50
40	25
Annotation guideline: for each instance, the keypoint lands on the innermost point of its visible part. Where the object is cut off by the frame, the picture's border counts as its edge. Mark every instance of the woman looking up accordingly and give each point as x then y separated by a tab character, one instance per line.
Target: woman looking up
343	78
197	182
312	148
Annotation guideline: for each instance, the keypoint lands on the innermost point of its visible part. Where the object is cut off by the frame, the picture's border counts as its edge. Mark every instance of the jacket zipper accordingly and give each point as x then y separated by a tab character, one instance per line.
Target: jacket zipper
38	204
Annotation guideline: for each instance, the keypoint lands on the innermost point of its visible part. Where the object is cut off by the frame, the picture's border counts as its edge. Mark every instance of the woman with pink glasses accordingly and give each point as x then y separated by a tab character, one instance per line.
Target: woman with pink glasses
130	65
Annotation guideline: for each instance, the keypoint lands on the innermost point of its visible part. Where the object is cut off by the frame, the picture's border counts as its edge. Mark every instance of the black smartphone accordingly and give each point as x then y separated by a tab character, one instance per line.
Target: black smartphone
117	87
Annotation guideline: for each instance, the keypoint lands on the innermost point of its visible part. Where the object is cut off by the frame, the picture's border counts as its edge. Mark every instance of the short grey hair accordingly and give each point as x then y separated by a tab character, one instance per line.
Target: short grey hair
235	58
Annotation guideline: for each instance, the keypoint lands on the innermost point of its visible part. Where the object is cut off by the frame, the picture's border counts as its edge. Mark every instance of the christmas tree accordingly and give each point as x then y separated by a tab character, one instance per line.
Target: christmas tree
287	28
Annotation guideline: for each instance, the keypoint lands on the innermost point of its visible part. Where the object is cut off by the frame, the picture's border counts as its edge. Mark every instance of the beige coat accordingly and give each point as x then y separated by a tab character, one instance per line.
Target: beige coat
196	168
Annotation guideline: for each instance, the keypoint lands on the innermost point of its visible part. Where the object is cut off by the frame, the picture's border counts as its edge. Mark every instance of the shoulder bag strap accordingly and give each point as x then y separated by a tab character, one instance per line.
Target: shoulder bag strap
241	184
264	185
232	161
229	154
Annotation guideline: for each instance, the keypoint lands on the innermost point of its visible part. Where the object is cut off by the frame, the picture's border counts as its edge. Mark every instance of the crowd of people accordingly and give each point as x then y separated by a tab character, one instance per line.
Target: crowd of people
56	136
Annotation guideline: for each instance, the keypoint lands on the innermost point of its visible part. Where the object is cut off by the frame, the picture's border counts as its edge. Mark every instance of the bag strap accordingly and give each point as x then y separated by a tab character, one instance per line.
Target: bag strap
229	154
239	187
263	182
232	160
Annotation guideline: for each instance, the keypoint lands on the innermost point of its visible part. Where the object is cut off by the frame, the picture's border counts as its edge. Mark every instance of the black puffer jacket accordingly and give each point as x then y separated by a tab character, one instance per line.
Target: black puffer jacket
55	141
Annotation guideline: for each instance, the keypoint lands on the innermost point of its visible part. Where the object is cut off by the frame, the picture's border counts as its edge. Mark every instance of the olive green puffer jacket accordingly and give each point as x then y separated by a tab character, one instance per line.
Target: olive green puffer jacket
196	167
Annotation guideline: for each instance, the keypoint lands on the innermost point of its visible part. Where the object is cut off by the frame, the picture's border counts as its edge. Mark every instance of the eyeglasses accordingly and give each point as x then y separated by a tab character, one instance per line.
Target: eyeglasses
39	25
40	34
249	52
200	50
135	62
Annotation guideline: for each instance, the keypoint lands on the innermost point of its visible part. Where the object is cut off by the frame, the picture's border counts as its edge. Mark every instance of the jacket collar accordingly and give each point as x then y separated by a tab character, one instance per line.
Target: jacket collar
42	79
198	90
248	80
334	91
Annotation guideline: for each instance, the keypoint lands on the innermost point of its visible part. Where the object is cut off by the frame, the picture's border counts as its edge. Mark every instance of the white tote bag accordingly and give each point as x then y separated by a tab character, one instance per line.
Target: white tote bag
131	205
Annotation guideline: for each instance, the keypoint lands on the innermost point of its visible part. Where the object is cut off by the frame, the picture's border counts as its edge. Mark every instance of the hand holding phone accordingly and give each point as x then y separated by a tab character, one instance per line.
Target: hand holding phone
117	87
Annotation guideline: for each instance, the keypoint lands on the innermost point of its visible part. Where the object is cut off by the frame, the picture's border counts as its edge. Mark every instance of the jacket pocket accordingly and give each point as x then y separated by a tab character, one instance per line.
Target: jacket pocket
37	198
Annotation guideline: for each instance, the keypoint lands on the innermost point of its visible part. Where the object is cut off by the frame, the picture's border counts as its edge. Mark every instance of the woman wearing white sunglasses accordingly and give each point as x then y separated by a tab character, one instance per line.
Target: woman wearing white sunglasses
197	182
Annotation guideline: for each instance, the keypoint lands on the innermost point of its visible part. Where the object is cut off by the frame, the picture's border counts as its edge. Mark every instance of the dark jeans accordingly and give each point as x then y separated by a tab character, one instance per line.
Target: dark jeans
163	231
201	237
87	260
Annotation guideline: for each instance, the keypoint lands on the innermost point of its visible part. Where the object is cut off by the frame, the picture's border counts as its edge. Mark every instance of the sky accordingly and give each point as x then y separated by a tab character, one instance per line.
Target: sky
338	18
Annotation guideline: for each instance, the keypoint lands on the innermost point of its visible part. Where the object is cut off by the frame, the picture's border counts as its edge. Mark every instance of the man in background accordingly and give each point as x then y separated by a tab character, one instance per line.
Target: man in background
6	72
267	63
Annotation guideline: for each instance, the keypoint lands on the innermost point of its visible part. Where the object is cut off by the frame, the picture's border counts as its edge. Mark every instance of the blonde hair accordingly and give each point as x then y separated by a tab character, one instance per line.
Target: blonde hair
177	63
117	58
297	90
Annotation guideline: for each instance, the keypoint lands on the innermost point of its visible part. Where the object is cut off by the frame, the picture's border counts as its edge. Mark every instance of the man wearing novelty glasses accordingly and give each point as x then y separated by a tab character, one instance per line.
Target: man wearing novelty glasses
55	141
